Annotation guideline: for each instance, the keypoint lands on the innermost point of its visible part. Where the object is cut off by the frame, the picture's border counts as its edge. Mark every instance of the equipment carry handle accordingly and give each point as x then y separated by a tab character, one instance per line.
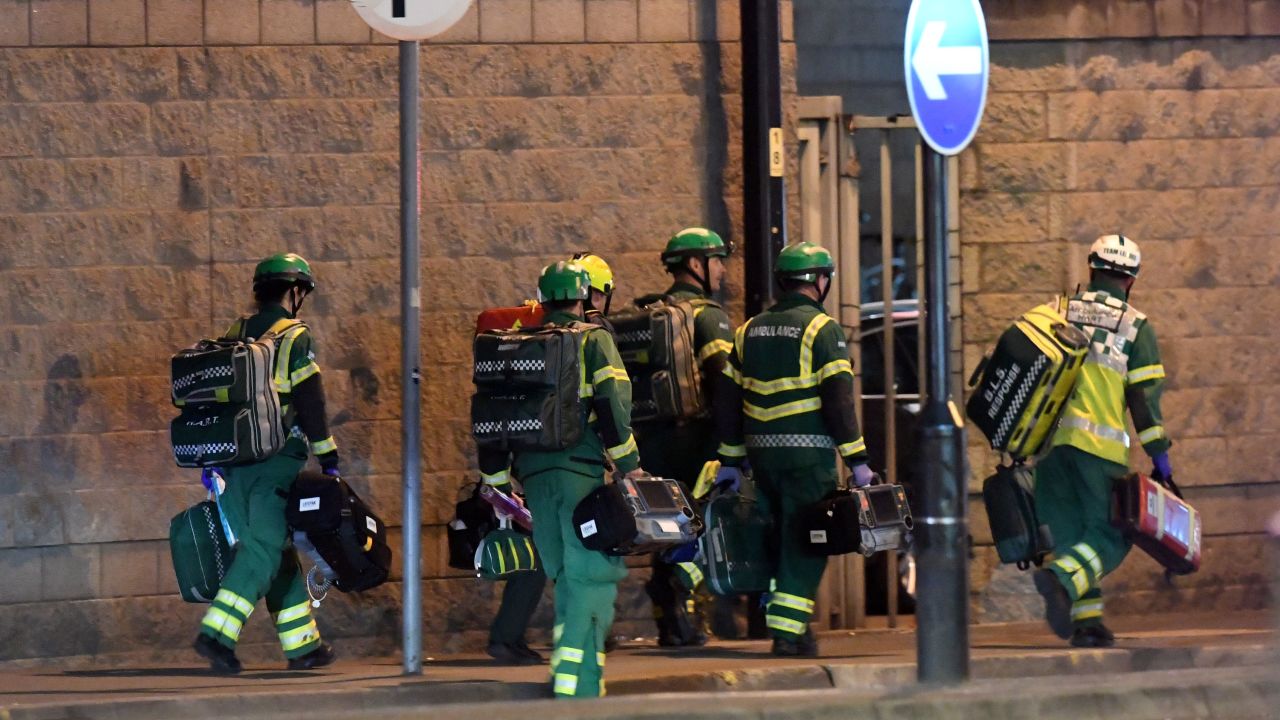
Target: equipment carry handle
977	372
1171	485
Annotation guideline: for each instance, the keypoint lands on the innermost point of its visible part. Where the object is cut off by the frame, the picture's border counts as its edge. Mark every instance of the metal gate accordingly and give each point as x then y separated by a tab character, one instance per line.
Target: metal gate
851	171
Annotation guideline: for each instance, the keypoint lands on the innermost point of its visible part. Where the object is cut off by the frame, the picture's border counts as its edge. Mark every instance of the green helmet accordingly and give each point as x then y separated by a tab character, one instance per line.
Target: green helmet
694	242
804	261
289	267
565	280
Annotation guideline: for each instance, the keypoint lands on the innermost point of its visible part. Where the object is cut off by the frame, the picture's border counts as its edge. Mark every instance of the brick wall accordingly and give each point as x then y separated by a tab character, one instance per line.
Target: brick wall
1176	143
1054	19
159	148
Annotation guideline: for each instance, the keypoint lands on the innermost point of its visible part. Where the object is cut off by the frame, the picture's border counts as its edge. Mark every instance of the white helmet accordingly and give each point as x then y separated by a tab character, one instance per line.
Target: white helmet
1116	253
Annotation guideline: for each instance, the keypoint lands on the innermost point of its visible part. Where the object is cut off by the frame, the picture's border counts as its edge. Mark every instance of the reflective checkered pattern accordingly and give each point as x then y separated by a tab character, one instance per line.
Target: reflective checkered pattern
790	441
491	428
635	336
1019	400
190	379
488	367
485	367
214	530
204	449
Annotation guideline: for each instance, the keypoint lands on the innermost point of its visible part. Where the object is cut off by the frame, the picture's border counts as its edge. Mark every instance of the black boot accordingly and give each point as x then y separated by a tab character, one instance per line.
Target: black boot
1092	636
222	659
724	619
318	658
757	620
522	648
1057	603
509	654
804	646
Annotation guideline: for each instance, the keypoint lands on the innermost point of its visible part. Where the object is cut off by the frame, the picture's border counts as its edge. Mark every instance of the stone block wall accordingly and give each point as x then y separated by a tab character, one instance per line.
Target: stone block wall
1176	143
151	151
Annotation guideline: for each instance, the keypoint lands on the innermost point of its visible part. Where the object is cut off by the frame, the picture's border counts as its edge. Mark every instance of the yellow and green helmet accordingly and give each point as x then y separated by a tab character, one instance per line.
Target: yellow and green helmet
599	270
804	261
286	267
564	280
694	242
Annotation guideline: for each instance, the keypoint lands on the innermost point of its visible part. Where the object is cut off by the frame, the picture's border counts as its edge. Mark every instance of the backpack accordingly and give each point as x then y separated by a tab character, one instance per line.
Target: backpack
1021	388
657	345
528	385
229	410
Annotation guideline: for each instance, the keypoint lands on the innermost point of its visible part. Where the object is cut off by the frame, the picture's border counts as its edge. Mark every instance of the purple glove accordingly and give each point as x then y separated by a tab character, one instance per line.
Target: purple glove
329	463
212	480
729	479
862	475
1161	468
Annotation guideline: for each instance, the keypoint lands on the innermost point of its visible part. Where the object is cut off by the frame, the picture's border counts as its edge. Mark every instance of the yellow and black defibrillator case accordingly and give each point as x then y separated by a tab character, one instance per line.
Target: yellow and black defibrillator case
1021	387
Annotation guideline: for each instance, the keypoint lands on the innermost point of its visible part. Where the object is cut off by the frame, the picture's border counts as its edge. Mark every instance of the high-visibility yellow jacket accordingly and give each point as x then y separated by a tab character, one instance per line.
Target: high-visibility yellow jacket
1123	370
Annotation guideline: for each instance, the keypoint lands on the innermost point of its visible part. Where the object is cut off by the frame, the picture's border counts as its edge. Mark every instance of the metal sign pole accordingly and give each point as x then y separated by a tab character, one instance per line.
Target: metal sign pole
410	310
942	608
944	39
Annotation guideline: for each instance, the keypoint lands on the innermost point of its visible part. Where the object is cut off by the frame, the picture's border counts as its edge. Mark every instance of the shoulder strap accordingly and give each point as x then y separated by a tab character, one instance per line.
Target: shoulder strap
280	327
645	301
236	330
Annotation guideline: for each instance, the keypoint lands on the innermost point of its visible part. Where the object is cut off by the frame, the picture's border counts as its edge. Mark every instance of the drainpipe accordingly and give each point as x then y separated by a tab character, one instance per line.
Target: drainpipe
763	158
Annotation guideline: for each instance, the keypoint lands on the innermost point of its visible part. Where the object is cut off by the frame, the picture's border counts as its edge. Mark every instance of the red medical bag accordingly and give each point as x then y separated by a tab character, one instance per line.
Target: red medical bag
1158	520
510	318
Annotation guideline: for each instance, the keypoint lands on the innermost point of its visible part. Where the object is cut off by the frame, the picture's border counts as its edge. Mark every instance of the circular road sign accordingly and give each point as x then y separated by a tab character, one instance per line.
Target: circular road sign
947	66
411	19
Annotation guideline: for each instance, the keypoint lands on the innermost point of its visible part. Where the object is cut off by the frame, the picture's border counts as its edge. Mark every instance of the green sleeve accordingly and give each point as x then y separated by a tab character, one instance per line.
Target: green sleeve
713	335
1144	385
495	469
611	398
302	355
726	404
835	388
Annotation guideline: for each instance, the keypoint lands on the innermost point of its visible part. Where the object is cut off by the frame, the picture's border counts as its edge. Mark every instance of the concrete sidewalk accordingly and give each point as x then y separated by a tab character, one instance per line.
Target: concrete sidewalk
877	661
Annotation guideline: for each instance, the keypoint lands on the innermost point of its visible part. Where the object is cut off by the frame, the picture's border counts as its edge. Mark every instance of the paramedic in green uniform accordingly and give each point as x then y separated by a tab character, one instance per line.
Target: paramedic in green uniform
586	582
265	565
787	404
677	449
601	294
1090	448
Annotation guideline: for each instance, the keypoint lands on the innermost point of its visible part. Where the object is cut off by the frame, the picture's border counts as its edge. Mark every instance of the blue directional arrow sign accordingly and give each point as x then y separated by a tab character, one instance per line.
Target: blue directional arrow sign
946	60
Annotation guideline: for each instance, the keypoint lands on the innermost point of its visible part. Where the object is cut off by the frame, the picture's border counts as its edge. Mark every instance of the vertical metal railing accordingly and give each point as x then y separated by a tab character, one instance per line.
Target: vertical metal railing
886	129
890	369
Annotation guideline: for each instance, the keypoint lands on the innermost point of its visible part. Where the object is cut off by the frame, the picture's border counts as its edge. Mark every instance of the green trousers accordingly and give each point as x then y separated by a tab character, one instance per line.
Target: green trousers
782	492
264	564
586	582
1073	497
520	600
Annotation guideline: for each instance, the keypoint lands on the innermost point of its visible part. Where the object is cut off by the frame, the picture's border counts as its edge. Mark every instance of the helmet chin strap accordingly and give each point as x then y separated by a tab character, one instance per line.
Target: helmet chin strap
705	278
296	297
822	294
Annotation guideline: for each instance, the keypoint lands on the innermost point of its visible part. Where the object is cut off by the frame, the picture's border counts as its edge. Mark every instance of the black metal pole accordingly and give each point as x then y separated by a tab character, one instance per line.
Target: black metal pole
942	608
410	400
763	158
